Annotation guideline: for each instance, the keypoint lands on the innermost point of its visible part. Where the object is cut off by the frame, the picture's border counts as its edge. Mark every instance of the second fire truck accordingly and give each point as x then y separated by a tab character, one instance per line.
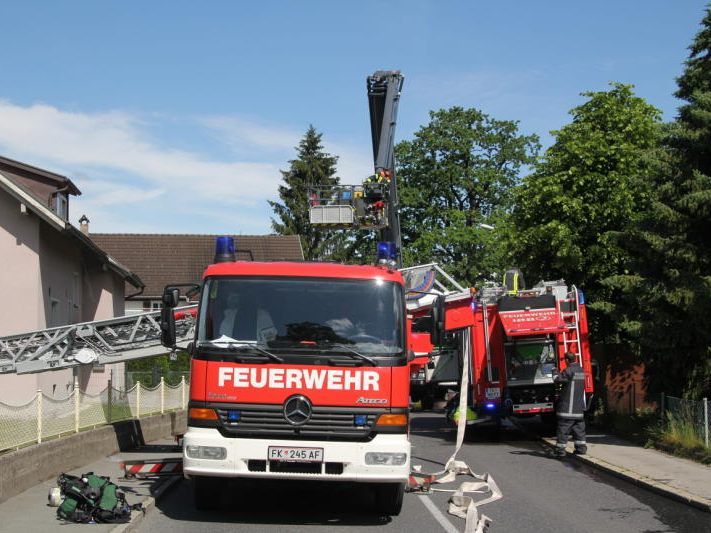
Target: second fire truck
516	338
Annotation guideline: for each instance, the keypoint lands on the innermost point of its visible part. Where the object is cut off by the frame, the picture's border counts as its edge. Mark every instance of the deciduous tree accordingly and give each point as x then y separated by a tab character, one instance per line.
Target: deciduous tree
456	174
592	182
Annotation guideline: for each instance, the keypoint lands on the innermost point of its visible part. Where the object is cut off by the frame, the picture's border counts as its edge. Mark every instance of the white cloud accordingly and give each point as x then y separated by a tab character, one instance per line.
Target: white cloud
355	163
242	134
118	142
133	182
486	87
108	193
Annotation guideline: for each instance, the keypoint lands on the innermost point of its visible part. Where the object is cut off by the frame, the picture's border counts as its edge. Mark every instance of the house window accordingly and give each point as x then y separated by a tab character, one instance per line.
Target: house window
61	205
151	305
54	313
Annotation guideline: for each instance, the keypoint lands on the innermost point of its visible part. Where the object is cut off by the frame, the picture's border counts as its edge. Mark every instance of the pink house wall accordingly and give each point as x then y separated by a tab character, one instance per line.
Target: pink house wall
47	280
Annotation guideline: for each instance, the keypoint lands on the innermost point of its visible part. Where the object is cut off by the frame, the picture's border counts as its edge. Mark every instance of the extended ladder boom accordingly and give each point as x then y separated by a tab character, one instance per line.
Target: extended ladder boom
100	342
384	88
374	203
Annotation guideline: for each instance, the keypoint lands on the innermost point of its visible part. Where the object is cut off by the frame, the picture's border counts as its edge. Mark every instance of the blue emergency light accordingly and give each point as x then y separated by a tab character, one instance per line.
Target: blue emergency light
387	251
234	416
224	249
360	420
490	405
581	297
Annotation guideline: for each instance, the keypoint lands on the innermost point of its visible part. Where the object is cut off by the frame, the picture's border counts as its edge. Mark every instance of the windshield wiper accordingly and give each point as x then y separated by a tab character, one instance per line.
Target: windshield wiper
242	347
359	355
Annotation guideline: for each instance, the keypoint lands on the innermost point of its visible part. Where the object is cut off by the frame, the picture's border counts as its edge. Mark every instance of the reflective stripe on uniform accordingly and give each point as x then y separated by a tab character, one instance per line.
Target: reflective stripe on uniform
571	416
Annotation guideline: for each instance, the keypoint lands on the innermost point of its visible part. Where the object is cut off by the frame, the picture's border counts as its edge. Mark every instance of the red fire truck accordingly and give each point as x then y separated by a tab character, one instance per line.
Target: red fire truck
299	371
516	339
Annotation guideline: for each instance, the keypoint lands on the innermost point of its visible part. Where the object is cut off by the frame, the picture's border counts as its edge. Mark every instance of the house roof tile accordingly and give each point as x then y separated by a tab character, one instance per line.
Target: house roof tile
161	259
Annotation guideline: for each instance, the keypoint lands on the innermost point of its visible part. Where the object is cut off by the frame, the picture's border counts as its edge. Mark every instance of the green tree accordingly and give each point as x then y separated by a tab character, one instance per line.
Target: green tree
313	167
668	288
155	367
456	174
590	183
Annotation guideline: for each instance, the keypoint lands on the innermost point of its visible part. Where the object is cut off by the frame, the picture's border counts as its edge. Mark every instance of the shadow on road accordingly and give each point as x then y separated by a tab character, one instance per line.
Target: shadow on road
157	448
536	453
283	503
432	424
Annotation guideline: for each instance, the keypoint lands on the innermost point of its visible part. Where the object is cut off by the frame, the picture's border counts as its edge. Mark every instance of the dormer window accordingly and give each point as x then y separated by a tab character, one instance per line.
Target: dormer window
61	205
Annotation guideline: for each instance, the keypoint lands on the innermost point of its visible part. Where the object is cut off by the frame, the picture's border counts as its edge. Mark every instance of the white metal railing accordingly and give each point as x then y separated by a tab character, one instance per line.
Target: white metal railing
44	418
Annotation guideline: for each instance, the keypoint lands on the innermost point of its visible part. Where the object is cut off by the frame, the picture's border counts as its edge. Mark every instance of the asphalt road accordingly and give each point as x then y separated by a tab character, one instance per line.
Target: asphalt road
540	494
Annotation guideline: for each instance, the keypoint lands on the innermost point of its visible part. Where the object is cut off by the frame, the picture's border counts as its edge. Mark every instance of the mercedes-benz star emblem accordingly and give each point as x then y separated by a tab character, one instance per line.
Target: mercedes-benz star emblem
297	410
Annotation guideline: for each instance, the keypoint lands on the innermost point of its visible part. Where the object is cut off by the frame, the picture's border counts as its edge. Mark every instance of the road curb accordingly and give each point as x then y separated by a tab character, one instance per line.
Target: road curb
148	503
673	493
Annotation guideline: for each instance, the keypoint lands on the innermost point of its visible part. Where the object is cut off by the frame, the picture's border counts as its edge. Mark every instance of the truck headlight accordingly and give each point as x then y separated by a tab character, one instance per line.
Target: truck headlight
385	458
206	452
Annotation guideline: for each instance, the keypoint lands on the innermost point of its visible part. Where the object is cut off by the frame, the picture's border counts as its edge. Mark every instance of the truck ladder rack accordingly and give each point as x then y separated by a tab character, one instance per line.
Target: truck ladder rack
100	342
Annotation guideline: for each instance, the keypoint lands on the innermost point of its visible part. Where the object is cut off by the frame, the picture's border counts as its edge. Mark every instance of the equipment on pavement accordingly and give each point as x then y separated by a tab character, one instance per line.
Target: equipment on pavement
90	499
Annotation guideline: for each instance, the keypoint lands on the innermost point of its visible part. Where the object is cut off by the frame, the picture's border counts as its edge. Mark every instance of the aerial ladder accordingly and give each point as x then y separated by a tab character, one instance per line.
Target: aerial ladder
100	342
374	203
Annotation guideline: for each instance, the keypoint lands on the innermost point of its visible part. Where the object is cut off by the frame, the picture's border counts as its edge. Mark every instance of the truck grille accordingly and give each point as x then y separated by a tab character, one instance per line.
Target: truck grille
326	423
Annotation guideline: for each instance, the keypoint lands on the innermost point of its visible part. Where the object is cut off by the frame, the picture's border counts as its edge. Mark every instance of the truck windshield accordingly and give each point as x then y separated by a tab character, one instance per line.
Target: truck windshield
304	314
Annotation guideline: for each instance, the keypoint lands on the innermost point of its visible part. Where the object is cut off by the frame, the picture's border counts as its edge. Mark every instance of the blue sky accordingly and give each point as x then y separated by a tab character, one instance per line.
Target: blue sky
176	116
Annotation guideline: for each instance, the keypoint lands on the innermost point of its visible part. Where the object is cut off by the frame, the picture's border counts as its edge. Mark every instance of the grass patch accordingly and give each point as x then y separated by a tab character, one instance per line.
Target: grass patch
679	435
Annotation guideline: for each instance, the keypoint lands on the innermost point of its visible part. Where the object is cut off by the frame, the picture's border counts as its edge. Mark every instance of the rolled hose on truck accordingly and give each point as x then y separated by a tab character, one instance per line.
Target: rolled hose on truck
460	503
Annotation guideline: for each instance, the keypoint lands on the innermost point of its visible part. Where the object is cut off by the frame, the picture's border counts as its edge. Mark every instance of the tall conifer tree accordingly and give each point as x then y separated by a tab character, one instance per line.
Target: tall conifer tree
313	167
669	287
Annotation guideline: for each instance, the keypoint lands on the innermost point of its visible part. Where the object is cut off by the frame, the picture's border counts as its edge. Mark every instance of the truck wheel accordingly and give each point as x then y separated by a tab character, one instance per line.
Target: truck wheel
388	498
206	493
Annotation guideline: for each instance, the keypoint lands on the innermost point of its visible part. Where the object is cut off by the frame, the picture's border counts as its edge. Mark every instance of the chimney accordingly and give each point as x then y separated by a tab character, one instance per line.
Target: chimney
84	224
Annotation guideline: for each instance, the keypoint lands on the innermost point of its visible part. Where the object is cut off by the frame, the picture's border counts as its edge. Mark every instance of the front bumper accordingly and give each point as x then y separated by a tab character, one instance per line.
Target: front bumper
351	455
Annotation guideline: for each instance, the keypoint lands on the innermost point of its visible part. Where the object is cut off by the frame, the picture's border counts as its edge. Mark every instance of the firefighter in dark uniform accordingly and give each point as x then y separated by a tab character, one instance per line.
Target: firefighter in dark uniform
571	406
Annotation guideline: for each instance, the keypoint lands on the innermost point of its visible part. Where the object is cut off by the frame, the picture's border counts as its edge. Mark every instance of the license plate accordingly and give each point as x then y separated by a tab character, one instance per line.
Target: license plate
492	393
301	455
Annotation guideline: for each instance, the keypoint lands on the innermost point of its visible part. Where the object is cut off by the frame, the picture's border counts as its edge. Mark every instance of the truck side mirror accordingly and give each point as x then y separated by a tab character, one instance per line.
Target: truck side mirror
438	321
171	297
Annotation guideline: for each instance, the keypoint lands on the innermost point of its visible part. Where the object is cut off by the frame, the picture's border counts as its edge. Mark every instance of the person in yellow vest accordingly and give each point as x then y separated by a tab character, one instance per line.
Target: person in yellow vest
471	415
382	176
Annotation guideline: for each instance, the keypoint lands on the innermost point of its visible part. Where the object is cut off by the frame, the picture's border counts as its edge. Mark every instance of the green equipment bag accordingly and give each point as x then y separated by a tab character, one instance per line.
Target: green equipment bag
91	498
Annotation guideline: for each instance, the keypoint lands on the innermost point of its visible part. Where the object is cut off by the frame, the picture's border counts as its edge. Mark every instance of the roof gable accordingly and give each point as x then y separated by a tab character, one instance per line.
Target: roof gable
23	171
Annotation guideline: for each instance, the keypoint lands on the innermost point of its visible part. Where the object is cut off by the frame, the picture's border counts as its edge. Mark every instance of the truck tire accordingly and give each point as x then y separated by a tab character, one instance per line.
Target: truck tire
388	498
206	493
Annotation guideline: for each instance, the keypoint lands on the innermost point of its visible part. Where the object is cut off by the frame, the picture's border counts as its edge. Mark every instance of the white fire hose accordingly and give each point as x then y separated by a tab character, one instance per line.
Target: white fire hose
460	503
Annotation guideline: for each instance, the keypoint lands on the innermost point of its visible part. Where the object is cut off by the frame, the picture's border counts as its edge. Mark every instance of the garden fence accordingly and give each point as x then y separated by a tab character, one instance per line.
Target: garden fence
693	413
44	418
